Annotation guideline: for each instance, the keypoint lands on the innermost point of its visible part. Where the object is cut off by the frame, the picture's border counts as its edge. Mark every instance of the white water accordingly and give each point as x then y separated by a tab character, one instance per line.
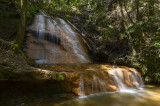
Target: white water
81	87
124	81
73	40
119	79
53	41
121	85
39	28
137	78
94	83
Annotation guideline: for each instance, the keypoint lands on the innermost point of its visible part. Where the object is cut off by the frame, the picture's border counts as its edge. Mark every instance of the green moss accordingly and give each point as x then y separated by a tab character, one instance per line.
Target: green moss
60	76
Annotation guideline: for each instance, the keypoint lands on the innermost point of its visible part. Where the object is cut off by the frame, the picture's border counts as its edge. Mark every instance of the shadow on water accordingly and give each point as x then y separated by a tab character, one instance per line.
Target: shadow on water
53	93
22	93
47	36
139	98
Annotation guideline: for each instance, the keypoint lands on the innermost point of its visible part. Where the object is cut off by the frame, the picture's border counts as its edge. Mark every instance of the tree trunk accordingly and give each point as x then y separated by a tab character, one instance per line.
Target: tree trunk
125	7
22	26
123	16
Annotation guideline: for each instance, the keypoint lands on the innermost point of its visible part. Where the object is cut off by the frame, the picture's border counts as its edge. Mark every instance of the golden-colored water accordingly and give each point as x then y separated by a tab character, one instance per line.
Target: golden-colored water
88	85
148	96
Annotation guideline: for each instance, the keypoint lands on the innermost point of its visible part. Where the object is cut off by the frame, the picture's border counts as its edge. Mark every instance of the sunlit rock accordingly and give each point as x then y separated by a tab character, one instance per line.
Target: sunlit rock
91	79
53	41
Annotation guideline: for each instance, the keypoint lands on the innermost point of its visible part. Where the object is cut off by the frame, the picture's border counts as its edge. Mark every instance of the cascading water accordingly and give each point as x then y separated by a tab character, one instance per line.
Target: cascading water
53	41
118	77
115	79
81	87
121	85
137	78
94	83
98	84
39	28
133	78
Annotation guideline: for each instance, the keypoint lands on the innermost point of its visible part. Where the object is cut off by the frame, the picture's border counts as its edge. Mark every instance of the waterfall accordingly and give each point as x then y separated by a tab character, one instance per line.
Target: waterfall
102	85
39	29
121	85
54	41
89	79
81	87
119	79
132	77
94	83
137	79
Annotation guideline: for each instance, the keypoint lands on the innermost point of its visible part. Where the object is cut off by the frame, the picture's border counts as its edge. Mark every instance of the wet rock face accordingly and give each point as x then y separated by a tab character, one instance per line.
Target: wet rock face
80	79
89	79
53	41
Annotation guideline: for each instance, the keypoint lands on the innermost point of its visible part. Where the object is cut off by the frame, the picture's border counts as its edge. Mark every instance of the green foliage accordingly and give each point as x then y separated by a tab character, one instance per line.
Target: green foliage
60	76
136	21
157	76
143	36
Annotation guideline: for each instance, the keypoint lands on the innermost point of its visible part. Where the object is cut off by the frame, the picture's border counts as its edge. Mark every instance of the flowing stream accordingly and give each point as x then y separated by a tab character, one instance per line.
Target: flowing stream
122	81
148	96
96	85
54	41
